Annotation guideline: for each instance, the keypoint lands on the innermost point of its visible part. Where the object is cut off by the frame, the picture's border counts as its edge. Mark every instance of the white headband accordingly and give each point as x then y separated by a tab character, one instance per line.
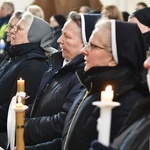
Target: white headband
113	40
83	29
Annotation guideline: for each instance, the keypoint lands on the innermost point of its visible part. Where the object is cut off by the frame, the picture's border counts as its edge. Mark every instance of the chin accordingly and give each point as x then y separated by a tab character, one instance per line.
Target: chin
86	68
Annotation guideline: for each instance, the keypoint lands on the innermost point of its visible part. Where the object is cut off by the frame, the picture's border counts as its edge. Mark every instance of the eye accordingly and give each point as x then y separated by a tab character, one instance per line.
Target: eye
18	28
10	26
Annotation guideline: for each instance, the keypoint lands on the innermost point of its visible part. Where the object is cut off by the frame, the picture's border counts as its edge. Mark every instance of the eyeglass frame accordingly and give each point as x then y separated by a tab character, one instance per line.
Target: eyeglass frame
15	27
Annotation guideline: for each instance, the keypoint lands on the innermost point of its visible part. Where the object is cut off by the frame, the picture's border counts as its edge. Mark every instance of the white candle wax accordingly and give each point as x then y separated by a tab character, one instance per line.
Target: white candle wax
108	94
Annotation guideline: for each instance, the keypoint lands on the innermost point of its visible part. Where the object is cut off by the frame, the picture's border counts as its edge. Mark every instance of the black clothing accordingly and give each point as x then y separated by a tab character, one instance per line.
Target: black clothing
57	34
126	91
135	133
80	124
146	36
27	61
54	100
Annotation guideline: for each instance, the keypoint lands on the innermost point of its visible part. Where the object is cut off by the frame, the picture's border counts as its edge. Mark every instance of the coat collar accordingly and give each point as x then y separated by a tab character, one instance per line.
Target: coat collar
96	79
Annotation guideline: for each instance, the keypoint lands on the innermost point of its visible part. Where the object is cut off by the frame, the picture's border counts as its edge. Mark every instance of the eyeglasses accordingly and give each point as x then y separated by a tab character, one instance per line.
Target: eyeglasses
17	28
90	46
9	26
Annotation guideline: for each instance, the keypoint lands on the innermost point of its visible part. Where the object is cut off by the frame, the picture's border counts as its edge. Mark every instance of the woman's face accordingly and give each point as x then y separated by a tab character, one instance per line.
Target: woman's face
12	22
70	40
19	34
95	52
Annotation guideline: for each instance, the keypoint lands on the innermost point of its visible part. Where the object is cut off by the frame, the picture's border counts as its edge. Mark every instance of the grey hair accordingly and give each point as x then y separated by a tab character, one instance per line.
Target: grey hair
73	15
28	18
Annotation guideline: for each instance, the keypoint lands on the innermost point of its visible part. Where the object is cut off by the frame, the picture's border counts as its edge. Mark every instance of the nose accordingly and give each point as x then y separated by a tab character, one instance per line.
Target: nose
59	40
84	50
12	30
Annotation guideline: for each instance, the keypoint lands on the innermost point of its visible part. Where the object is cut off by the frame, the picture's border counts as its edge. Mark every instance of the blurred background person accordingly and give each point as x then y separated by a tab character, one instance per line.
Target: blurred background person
84	9
142	18
36	11
111	12
140	5
7	9
57	22
125	15
95	11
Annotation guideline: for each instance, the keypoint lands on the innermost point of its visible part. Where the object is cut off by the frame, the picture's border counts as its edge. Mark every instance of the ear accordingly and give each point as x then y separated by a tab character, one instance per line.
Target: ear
112	62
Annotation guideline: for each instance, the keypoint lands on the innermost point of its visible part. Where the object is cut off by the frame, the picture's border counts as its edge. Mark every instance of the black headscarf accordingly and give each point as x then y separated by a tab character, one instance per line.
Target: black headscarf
143	16
128	45
88	22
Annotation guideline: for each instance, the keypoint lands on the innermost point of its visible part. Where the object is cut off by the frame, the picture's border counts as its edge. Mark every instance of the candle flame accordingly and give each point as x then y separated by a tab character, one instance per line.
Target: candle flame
20	79
108	88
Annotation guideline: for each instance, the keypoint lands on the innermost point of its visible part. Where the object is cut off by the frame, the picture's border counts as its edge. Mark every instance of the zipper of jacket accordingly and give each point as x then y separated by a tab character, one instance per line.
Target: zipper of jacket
73	118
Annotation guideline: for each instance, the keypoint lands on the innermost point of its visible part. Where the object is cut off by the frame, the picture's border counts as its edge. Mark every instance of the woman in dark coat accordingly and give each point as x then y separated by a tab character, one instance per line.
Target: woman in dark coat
29	38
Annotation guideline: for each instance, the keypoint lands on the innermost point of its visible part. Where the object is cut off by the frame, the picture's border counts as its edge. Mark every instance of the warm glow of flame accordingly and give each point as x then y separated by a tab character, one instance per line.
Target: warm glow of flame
108	88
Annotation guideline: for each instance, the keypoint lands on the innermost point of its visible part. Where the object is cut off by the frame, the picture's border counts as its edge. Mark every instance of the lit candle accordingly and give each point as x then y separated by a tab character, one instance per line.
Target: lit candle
20	85
2	44
20	110
108	94
104	121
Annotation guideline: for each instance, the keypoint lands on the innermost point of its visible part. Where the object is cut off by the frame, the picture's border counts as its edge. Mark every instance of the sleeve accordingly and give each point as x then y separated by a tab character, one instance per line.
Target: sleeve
52	145
32	74
95	145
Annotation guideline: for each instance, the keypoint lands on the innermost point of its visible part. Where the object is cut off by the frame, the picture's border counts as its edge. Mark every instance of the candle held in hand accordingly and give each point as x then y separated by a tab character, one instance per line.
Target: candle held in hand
19	104
20	111
20	85
108	94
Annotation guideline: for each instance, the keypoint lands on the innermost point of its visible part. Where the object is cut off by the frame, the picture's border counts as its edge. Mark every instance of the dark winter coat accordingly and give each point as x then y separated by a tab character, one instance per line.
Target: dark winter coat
27	61
50	110
80	125
135	133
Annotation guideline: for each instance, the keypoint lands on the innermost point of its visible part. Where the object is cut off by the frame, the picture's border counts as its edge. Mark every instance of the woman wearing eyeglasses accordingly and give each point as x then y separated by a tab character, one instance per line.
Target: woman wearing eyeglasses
29	40
12	22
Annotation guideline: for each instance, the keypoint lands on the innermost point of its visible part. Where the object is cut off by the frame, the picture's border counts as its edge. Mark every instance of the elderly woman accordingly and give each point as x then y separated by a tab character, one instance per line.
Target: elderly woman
135	131
30	37
12	22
